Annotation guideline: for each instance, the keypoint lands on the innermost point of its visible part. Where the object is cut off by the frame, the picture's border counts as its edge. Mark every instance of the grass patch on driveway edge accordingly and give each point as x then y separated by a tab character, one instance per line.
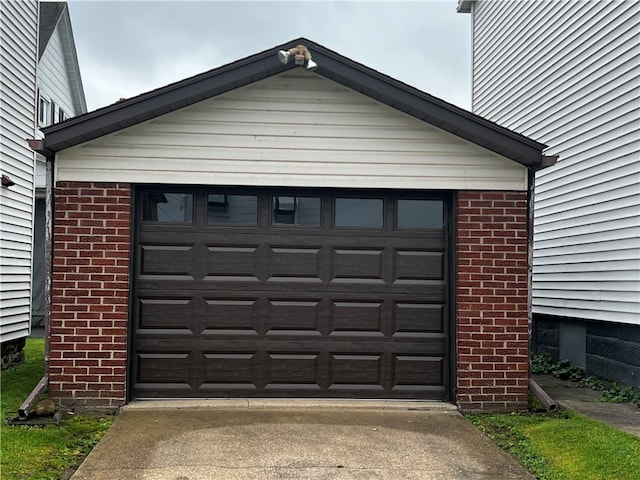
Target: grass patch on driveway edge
41	453
564	445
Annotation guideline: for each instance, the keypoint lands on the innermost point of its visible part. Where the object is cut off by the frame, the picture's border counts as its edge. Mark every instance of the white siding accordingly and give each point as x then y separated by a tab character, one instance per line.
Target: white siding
54	84
567	74
53	77
295	129
18	30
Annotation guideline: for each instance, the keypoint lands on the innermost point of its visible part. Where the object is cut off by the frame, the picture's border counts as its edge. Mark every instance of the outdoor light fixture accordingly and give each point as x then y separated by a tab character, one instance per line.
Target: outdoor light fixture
301	56
7	182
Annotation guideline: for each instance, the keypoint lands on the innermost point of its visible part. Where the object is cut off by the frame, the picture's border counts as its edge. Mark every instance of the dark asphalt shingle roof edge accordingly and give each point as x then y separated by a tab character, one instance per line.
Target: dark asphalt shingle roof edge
331	65
50	13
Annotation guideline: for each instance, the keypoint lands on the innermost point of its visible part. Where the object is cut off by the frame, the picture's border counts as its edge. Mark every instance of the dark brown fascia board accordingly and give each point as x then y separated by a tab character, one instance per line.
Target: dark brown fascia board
331	65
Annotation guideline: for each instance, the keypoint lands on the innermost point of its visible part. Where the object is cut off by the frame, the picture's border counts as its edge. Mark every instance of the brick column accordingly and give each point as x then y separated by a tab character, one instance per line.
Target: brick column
492	302
90	294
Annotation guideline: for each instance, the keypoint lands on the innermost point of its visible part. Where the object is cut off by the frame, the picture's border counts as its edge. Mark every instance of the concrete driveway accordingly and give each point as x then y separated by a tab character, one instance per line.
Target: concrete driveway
295	440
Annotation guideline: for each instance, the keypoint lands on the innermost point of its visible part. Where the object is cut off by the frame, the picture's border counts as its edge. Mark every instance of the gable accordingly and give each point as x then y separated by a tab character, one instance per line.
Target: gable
332	66
58	71
296	129
53	78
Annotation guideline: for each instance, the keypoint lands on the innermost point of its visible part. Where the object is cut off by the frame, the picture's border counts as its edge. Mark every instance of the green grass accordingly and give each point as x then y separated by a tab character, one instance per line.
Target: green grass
41	453
564	446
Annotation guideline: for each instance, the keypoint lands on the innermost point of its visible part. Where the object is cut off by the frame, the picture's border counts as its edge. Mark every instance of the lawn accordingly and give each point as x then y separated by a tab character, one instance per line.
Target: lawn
41	453
564	445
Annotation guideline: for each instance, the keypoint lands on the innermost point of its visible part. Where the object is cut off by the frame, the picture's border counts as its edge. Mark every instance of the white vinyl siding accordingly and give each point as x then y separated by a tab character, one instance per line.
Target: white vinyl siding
18	56
54	85
567	74
53	77
295	129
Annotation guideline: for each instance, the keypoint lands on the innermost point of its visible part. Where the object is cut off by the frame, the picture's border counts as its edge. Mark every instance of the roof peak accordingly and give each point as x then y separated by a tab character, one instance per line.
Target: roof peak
332	66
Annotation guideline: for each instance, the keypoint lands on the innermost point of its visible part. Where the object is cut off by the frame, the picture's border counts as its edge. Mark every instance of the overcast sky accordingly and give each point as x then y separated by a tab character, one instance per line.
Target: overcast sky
128	48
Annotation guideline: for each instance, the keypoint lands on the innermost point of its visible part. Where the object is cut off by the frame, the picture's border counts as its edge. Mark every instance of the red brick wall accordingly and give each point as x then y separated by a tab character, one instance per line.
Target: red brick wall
492	301
90	294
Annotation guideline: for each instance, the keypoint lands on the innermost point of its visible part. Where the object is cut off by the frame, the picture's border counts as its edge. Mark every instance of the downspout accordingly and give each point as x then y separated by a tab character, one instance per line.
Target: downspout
48	252
530	217
28	405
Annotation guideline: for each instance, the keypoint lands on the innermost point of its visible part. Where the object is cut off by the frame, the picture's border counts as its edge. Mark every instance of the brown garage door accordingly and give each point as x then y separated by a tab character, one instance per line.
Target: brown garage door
283	293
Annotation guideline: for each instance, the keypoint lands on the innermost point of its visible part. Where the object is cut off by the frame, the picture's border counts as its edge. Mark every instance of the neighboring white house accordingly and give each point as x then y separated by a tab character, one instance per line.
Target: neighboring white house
567	74
40	85
18	57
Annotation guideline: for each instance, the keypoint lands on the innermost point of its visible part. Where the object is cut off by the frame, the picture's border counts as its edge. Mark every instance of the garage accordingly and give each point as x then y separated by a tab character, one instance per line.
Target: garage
291	293
269	230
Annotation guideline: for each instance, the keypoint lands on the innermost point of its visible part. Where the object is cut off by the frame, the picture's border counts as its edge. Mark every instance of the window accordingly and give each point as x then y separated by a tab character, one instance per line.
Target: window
419	214
167	207
287	210
359	212
61	115
44	111
236	209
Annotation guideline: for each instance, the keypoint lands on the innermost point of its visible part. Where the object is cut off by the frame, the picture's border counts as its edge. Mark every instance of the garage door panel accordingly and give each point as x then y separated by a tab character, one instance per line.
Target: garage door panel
294	264
351	264
292	370
166	368
293	317
174	313
290	310
230	370
352	371
228	261
224	372
417	370
427	291
357	318
166	260
418	318
228	315
418	265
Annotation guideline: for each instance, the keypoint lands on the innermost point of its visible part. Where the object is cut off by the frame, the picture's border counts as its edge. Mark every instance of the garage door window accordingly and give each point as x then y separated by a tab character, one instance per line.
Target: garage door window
235	209
420	214
359	212
287	210
168	207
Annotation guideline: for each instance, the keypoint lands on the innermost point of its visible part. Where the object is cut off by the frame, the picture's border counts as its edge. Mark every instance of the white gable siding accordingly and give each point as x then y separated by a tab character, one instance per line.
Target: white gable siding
567	74
295	129
53	76
18	30
54	84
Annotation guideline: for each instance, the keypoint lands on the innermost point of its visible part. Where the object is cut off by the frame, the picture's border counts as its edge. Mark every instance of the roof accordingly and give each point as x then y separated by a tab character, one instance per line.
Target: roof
332	66
56	15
